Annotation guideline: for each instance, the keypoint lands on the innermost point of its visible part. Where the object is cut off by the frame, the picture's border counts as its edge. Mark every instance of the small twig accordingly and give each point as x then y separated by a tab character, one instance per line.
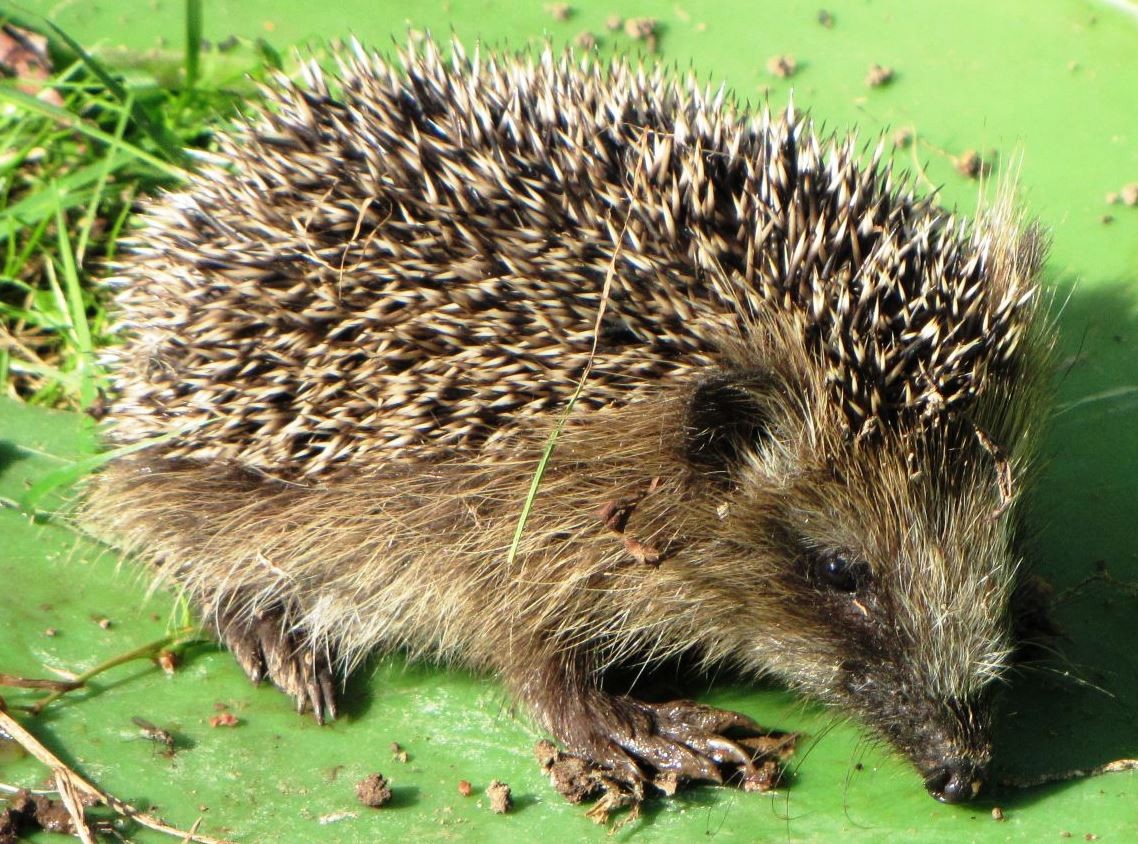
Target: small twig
8	788
1103	576
69	796
919	168
15	682
1004	480
182	636
71	784
192	831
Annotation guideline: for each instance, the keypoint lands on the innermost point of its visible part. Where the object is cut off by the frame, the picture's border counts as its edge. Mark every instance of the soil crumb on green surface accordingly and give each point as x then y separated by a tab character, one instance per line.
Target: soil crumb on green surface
500	799
374	791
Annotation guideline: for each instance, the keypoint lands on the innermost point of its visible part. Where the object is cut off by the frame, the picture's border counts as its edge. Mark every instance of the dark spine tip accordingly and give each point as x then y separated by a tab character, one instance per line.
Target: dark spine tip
958	783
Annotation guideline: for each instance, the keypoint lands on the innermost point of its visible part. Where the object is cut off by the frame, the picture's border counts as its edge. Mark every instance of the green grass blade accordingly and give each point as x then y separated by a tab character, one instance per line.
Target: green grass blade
268	54
30	317
59	298
84	351
56	379
193	42
538	476
66	476
19	284
32	240
100	185
158	133
117	225
74	190
71	121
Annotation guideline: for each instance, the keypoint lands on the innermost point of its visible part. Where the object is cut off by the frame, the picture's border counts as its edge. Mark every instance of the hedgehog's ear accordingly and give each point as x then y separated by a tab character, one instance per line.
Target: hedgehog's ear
727	414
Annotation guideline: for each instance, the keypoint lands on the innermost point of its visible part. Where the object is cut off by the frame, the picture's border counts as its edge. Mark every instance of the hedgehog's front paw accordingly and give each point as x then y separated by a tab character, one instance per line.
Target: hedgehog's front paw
265	649
665	744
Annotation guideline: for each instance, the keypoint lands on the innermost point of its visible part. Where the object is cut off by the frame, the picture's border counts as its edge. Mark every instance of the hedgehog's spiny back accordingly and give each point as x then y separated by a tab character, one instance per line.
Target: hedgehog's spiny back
404	261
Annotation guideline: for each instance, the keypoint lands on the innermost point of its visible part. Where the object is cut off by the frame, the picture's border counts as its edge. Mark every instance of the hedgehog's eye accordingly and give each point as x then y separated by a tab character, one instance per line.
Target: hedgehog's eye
839	573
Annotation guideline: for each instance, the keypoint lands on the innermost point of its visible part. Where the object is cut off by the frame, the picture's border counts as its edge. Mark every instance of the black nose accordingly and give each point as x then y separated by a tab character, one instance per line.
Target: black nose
955	783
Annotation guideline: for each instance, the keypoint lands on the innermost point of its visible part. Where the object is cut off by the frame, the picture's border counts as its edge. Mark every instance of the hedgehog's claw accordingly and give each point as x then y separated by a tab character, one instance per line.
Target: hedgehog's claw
266	649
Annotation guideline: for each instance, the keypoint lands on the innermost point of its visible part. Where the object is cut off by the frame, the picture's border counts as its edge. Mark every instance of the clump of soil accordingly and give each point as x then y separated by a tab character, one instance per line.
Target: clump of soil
643	29
585	40
783	66
374	791
878	75
770	752
571	776
28	813
970	164
500	799
1127	195
640	28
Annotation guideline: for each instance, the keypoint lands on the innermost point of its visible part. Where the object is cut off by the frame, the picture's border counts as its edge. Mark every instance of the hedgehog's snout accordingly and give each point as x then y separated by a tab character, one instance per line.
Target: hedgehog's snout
957	781
957	767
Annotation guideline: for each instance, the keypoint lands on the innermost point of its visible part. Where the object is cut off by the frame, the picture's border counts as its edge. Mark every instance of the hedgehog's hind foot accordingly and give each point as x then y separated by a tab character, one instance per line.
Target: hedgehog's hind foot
266	649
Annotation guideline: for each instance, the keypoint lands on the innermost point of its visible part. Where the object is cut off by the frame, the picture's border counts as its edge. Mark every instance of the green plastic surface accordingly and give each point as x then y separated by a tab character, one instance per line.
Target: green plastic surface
1052	87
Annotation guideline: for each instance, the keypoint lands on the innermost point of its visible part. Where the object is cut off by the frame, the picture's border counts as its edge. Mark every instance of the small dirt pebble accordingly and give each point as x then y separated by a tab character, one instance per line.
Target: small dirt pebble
571	776
825	18
399	753
878	75
373	791
783	66
997	813
167	661
225	719
560	11
585	40
640	28
500	799
27	813
613	23
465	788
643	29
970	164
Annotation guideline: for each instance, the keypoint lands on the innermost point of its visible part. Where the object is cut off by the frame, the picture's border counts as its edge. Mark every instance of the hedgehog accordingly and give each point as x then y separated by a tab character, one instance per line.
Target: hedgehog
549	366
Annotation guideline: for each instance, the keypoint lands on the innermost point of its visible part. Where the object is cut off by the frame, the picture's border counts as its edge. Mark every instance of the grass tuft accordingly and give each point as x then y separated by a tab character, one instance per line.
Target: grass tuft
76	150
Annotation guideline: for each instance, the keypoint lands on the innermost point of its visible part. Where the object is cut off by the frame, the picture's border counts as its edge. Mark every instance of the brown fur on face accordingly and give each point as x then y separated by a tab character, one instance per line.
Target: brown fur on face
809	411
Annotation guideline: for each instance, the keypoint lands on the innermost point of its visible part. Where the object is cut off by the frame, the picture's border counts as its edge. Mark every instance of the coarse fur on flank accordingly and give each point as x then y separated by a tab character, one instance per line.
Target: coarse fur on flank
798	450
